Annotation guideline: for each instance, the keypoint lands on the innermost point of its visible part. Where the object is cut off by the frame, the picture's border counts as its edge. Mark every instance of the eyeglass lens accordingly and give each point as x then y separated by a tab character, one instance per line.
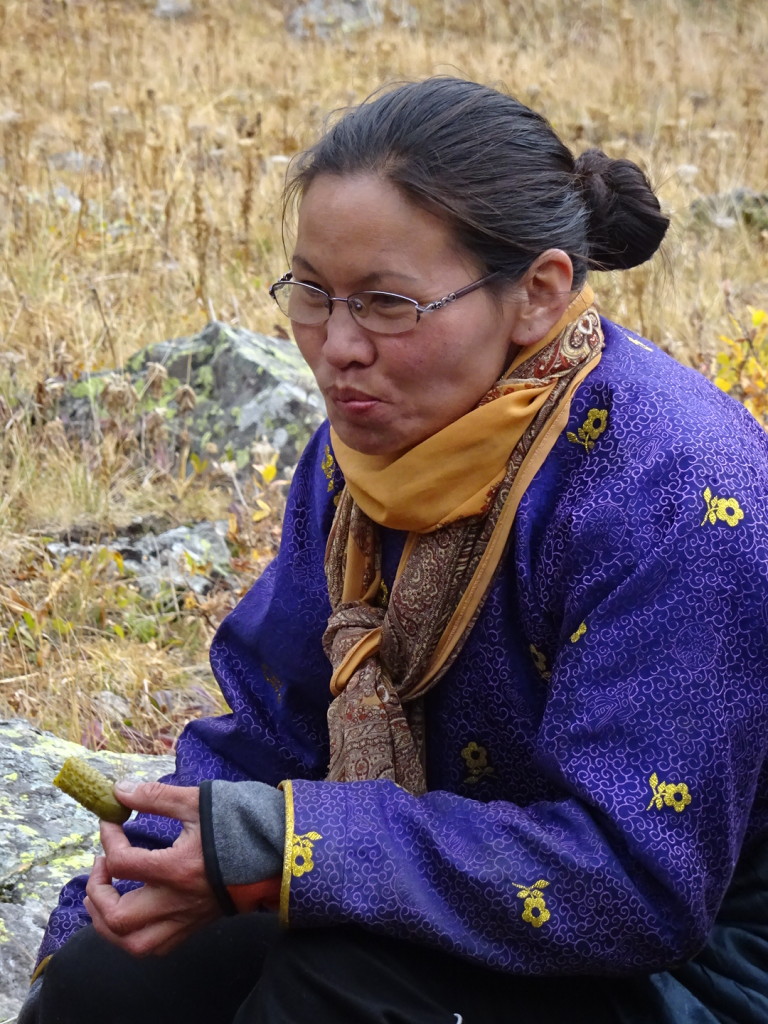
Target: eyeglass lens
376	311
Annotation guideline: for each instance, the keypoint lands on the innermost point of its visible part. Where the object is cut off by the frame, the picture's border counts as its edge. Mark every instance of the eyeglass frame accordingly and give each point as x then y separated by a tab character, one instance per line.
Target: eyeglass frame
430	307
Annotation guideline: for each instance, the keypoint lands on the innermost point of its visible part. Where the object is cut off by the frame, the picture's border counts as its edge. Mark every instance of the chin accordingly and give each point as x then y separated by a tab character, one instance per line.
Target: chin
370	443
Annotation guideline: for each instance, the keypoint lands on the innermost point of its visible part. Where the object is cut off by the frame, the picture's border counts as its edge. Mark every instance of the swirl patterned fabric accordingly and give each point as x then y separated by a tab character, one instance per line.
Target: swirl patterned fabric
375	724
595	756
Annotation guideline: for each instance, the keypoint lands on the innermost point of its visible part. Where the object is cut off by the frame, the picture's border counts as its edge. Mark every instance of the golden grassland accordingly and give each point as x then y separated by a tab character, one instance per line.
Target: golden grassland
141	164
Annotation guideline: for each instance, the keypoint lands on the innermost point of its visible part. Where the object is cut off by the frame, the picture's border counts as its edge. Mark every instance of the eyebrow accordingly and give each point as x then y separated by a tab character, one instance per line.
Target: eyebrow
369	281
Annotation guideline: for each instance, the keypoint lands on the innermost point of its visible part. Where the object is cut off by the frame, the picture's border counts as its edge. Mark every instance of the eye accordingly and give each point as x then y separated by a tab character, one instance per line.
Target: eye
389	304
309	295
311	284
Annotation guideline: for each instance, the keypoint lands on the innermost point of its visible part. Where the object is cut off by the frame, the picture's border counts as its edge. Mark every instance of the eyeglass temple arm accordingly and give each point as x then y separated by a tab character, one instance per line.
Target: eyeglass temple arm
452	296
288	276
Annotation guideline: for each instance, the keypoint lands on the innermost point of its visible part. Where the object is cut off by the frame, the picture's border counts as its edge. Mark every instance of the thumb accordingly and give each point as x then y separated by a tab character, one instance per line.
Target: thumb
180	802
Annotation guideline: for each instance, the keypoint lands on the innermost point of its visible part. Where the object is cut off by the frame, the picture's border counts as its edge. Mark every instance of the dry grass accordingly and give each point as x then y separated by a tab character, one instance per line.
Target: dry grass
142	161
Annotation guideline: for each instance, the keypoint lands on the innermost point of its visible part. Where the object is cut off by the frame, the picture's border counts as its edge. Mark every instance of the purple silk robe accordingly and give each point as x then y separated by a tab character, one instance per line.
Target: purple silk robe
596	756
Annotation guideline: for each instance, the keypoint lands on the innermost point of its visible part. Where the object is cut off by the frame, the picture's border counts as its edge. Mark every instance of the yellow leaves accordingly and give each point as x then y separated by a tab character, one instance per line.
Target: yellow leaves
532	890
268	470
741	369
261	511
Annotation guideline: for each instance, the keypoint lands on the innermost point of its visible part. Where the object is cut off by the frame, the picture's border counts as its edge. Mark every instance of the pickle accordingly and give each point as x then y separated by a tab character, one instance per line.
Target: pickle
91	789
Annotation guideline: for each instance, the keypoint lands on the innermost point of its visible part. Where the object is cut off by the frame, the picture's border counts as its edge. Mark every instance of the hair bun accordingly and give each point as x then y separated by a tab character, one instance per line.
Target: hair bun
626	224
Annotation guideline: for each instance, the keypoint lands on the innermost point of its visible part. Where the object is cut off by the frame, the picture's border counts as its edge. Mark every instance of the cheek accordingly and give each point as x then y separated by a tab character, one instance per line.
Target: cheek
309	343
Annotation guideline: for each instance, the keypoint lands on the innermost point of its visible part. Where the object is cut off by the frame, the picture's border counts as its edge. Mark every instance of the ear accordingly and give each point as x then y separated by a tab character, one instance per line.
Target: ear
542	295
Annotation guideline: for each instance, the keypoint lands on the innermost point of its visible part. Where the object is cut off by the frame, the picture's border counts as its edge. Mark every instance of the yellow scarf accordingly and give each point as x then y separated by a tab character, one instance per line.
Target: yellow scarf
448	476
386	654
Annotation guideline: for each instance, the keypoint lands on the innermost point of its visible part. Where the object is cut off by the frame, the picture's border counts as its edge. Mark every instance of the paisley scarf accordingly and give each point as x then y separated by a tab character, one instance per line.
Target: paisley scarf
457	494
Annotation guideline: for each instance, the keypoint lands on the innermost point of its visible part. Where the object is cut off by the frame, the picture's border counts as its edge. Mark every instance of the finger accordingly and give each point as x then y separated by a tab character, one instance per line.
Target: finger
100	893
171	932
166	866
156	939
180	802
180	864
149	920
136	909
99	874
113	838
129	940
123	860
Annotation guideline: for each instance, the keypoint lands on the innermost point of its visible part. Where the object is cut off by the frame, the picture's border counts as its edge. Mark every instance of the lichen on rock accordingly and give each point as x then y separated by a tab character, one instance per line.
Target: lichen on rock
46	838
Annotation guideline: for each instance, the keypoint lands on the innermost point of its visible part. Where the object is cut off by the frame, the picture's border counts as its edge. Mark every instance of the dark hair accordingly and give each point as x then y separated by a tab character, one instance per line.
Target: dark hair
497	172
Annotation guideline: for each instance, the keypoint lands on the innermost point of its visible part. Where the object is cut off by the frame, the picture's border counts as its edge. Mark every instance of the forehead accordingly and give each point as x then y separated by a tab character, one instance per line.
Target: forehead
357	226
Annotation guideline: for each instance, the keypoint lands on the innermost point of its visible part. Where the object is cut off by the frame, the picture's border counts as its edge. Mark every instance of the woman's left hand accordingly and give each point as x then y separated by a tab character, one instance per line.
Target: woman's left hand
175	900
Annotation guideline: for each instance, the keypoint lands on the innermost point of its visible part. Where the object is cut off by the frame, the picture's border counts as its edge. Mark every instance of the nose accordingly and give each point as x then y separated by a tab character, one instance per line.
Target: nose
346	342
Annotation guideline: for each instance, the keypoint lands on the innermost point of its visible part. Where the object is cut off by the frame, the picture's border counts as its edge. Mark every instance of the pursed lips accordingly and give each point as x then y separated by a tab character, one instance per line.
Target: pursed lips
345	395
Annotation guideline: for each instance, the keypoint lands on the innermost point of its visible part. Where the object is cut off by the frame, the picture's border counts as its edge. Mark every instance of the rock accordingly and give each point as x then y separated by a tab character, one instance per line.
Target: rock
184	558
75	161
323	18
173	8
66	198
218	392
727	209
45	839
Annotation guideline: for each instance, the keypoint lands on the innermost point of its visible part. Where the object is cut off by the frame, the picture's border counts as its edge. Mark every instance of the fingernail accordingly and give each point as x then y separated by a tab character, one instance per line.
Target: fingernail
126	786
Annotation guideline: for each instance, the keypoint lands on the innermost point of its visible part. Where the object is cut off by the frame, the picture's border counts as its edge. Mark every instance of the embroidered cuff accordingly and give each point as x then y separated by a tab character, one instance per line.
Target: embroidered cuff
285	886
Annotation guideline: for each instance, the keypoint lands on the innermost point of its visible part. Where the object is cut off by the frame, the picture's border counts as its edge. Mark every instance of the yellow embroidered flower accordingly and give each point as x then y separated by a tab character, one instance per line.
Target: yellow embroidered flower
677	796
592	427
595	423
727	510
535	911
476	759
540	662
328	466
668	794
581	629
301	853
274	681
475	755
302	861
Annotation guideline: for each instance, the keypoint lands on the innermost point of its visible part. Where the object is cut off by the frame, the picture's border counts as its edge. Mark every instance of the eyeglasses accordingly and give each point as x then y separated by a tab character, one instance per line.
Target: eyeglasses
378	312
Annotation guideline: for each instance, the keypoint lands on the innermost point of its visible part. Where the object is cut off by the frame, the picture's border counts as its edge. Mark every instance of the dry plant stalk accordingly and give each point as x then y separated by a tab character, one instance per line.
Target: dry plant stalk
142	162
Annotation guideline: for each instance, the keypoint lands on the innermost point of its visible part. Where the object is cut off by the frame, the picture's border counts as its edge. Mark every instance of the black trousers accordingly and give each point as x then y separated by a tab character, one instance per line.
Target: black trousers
246	970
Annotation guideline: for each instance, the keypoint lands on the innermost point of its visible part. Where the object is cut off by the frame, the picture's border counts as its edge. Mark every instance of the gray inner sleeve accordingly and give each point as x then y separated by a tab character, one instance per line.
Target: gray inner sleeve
249	831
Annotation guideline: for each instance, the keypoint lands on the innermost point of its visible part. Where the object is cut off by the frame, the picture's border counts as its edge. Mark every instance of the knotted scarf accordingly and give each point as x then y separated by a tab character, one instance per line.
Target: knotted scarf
456	493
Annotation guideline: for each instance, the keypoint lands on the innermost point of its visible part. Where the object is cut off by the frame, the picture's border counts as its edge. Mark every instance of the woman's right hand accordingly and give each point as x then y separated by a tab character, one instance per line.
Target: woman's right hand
176	898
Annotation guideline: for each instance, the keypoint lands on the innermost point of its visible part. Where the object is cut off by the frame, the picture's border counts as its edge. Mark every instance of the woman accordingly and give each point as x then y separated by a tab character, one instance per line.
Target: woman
519	609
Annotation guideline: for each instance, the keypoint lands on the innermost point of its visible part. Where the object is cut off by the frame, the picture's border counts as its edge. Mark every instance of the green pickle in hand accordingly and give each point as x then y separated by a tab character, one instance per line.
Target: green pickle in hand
91	789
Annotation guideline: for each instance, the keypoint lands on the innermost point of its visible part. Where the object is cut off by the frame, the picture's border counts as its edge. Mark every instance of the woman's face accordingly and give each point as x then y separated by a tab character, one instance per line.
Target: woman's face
386	393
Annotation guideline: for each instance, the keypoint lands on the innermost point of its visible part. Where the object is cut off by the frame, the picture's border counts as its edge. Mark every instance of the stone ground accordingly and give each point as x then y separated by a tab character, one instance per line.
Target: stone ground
45	839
